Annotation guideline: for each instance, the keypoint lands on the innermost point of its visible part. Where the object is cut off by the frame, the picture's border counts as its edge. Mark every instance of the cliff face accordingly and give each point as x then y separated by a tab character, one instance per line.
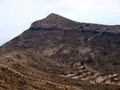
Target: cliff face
56	47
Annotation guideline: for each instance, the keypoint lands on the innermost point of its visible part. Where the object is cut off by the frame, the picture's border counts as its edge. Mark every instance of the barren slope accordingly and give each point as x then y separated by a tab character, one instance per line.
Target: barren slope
56	53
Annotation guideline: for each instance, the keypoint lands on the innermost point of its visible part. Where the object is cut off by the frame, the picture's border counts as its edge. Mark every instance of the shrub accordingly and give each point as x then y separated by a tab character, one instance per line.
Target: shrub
82	63
115	63
92	74
104	53
79	73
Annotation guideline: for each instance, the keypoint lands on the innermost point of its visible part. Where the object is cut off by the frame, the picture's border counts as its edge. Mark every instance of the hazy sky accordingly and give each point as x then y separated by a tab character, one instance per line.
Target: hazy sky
17	15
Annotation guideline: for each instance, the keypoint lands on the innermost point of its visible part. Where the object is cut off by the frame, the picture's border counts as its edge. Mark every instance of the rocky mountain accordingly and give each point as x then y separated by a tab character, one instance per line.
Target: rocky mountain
56	53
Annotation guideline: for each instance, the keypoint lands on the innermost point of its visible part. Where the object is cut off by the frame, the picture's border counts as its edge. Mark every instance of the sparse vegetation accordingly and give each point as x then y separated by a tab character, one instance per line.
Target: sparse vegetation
79	73
59	54
82	63
104	53
116	63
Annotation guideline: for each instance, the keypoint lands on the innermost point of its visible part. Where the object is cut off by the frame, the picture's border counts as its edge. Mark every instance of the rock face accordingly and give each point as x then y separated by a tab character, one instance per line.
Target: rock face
59	53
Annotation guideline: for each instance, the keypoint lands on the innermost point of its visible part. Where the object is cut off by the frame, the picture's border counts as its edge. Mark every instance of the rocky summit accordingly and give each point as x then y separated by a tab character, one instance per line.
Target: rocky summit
57	53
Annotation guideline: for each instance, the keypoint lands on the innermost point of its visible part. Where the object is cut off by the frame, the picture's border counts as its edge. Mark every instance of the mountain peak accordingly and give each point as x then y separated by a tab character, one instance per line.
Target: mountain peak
53	15
55	18
53	21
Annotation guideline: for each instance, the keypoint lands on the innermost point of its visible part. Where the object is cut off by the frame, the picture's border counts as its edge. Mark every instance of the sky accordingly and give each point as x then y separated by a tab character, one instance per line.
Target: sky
17	15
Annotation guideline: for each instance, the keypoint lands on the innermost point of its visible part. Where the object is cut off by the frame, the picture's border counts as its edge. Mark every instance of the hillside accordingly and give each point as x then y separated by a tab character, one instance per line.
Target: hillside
56	53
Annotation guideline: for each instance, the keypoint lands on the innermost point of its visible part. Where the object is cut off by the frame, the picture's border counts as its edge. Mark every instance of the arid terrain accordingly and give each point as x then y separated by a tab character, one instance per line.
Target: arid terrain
56	53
